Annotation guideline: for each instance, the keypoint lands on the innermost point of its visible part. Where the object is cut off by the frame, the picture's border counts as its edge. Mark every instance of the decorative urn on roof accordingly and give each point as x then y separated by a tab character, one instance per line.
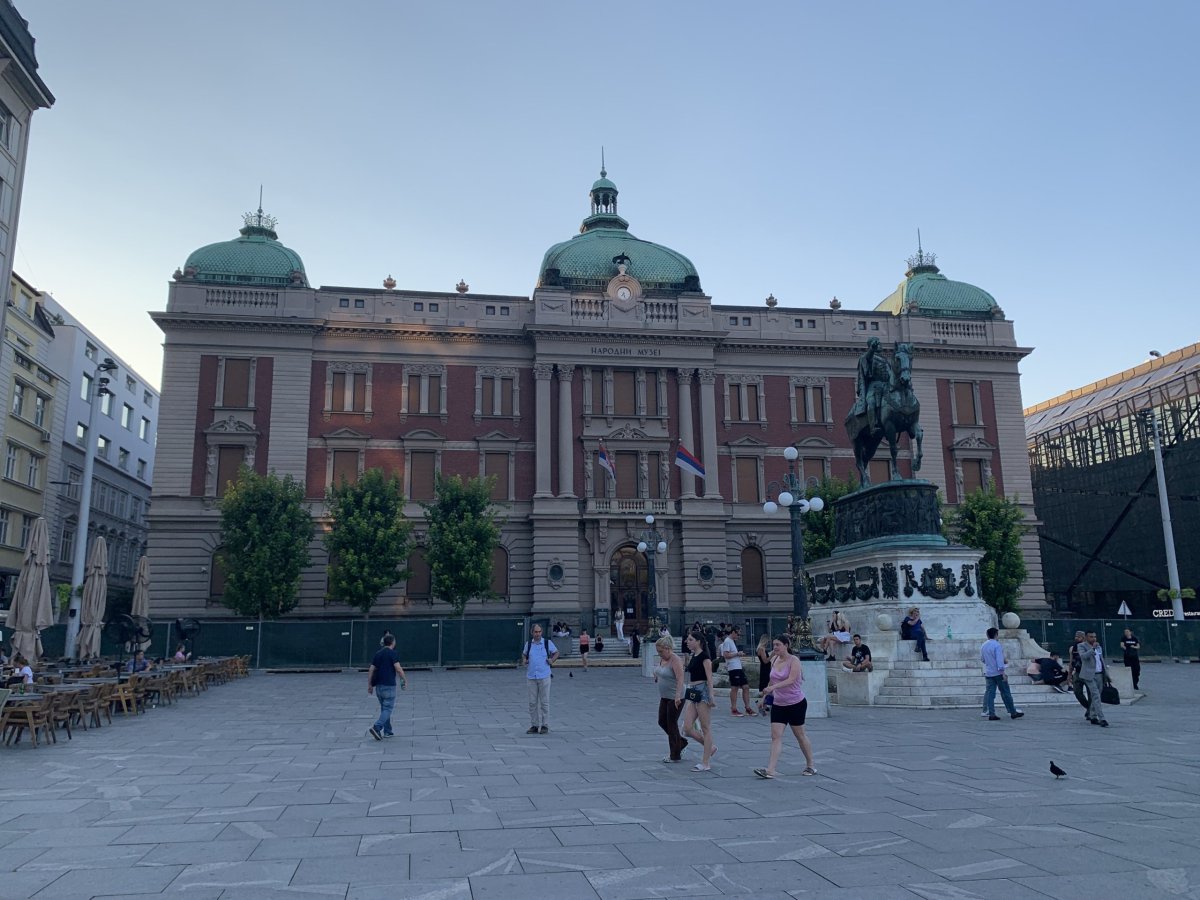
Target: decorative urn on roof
462	287
389	283
771	301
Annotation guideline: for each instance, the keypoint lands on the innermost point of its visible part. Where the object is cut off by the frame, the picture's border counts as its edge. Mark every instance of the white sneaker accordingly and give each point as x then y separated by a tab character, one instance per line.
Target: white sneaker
984	714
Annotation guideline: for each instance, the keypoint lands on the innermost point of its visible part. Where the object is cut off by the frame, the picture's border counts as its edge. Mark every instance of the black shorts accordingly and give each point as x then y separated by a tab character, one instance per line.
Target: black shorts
790	715
737	678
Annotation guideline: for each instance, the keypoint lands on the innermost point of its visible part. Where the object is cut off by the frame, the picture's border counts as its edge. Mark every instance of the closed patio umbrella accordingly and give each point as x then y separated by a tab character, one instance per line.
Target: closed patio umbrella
32	609
95	596
141	593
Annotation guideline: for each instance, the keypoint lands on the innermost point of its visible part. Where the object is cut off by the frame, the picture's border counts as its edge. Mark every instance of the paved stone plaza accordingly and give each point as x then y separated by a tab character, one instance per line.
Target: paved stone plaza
270	786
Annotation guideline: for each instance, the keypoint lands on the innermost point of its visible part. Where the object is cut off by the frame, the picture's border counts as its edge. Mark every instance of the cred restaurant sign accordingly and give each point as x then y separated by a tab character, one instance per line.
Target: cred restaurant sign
1168	614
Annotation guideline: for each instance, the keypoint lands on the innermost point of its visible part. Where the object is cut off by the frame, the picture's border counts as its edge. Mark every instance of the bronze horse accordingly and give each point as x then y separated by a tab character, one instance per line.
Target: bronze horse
899	411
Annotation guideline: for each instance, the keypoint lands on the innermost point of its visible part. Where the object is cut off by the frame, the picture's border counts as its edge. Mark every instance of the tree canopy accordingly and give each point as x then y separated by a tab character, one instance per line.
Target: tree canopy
265	531
818	526
462	535
368	540
994	524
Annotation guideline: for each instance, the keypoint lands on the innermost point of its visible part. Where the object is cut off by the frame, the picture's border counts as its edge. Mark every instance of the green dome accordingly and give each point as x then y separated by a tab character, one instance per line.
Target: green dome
926	291
589	260
254	258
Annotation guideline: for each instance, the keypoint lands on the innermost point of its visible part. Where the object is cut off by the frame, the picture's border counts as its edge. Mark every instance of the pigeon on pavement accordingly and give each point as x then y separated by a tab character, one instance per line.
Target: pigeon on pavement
1056	771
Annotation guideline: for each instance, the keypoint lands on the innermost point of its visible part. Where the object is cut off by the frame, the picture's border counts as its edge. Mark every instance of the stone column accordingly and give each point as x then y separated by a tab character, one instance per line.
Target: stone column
708	427
687	481
542	375
566	428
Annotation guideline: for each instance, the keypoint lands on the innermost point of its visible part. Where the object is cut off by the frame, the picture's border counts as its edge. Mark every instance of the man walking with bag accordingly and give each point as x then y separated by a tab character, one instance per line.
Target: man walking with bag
381	681
1091	670
539	654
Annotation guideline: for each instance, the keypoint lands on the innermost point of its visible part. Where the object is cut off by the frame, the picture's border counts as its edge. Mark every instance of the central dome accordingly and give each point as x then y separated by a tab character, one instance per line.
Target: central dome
589	260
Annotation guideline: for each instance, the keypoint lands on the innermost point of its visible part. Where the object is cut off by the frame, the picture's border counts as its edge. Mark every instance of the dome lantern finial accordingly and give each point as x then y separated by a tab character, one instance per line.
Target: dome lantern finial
603	174
604	203
921	261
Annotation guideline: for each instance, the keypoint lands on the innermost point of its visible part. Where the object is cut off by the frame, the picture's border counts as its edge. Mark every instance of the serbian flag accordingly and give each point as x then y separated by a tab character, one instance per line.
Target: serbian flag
606	463
689	463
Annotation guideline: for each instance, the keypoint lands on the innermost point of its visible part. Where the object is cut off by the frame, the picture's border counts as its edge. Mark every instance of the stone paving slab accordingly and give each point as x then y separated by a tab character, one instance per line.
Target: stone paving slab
269	787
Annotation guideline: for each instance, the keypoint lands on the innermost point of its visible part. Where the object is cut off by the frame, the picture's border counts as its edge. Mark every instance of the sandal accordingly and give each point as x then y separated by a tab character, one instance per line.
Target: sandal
809	770
763	773
700	767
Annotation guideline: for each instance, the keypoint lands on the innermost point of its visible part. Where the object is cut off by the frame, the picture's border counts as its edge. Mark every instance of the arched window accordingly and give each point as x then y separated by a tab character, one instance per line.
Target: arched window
420	582
499	583
753	585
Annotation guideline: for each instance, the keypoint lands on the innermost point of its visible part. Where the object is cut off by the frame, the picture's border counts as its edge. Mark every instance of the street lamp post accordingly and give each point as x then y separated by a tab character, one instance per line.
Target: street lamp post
651	545
1150	421
79	562
791	497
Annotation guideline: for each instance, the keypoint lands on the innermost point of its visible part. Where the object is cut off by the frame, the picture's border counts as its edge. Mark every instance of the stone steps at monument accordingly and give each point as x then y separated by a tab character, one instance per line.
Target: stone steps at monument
954	701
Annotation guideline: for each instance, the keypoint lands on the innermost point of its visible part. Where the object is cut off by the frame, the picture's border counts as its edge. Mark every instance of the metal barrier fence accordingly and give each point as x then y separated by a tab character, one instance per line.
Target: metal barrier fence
332	643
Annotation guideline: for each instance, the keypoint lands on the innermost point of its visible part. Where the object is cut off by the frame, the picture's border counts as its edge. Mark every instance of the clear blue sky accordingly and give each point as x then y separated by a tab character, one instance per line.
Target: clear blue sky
1047	151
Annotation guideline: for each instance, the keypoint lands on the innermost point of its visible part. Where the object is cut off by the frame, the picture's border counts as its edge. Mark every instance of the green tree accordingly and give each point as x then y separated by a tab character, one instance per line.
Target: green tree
265	531
463	534
994	524
818	526
368	540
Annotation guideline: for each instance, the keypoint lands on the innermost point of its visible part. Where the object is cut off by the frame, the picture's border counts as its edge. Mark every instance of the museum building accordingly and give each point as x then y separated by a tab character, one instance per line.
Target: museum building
617	348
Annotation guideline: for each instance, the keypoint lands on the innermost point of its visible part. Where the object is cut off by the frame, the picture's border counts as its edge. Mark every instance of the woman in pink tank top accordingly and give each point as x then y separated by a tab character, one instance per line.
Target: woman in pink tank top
790	705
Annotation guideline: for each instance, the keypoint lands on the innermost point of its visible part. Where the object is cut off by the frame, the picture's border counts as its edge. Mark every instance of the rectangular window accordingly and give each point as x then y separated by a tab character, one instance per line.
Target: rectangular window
747	479
66	549
652	394
141	469
102	445
349	392
359	303
624	393
344	303
880	471
4	517
654	461
418	306
421	475
10	463
597	392
964	403
752	403
33	470
235	390
433	399
733	320
81	434
85	387
89	351
735	402
147	398
972	470
813	469
504	310
105	400
40	405
627	474
495	465
433	307
26	530
506	396
144	428
488	401
345	467
490	310
99	494
18	403
812	323
797	323
74	480
130	384
801	402
229	461
126	416
746	321
818	405
123	458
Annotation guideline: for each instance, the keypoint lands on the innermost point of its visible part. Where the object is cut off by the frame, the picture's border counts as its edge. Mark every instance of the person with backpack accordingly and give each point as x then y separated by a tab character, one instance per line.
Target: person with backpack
539	654
381	681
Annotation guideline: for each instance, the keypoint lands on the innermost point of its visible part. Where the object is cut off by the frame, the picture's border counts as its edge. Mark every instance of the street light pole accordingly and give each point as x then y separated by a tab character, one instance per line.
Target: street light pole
651	545
791	497
1164	510
79	562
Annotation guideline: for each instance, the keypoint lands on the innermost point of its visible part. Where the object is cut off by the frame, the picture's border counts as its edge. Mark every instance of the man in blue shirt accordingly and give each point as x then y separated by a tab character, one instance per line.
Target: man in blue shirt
381	680
992	654
539	654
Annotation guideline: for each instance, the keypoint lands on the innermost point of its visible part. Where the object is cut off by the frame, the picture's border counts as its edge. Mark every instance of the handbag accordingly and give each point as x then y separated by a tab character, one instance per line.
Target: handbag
695	694
1110	695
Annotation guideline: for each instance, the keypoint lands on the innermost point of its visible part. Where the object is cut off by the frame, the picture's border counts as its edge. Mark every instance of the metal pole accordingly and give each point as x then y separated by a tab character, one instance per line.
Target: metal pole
1164	509
799	592
651	552
79	563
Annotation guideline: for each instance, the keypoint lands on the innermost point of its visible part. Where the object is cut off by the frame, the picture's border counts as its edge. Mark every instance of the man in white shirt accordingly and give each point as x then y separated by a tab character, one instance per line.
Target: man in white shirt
994	666
737	676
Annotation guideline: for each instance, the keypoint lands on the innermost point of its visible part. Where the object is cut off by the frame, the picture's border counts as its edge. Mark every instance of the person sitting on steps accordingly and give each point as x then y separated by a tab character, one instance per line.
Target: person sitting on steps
916	628
859	659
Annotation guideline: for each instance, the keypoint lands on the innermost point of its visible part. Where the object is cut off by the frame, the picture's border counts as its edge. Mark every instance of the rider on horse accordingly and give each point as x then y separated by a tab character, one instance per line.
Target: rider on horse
871	384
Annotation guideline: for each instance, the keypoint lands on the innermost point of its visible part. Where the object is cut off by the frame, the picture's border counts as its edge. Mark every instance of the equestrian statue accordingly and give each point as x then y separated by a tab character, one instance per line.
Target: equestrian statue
885	407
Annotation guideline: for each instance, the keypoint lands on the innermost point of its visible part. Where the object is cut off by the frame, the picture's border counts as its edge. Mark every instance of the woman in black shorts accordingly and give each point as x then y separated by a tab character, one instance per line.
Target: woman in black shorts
789	706
698	700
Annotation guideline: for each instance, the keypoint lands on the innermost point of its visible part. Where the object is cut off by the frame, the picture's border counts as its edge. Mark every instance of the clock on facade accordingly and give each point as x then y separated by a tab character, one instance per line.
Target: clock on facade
623	293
